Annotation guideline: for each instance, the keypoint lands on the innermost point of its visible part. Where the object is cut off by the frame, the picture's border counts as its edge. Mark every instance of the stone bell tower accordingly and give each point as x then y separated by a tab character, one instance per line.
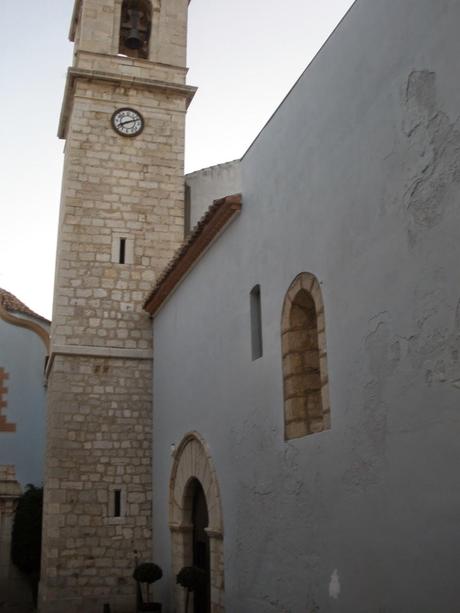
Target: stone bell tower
121	219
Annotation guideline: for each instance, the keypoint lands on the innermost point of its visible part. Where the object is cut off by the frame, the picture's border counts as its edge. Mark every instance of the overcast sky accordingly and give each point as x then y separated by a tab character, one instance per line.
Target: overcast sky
244	56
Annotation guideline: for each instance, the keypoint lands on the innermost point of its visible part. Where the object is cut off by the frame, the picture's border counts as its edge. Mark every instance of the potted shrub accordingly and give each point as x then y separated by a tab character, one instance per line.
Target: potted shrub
192	578
147	573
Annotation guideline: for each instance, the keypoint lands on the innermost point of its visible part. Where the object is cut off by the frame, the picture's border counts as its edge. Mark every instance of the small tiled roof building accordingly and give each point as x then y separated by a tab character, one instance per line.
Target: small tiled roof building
23	351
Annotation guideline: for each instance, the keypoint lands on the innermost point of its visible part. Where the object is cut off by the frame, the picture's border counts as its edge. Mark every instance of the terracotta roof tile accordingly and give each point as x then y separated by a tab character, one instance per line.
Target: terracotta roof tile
206	230
14	305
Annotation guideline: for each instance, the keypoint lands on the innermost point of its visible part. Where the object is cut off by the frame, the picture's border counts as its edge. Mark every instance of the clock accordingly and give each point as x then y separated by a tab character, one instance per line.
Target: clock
127	122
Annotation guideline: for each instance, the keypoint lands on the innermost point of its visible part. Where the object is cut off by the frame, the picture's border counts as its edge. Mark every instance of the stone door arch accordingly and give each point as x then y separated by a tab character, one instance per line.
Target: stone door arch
192	461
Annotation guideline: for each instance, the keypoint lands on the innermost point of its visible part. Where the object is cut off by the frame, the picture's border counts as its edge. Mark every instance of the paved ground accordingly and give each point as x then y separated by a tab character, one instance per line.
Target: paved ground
15	593
18	607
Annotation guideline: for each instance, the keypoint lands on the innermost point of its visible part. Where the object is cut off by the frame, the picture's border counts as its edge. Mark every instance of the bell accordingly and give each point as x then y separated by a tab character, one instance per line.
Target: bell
134	39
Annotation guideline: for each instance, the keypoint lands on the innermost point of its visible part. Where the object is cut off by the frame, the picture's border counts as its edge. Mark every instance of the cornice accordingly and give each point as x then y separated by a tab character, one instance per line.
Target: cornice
26	323
97	352
74	21
73	74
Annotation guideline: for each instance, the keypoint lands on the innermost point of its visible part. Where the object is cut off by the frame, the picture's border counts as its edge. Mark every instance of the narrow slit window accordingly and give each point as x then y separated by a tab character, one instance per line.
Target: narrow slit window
122	254
122	248
117	503
256	323
187	210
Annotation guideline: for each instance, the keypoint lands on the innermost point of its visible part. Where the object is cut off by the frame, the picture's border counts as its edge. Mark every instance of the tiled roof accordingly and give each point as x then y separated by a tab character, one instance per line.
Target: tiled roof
206	230
14	305
207	169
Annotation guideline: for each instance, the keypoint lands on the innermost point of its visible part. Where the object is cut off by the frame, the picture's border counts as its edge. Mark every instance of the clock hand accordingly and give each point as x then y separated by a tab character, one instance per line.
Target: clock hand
123	123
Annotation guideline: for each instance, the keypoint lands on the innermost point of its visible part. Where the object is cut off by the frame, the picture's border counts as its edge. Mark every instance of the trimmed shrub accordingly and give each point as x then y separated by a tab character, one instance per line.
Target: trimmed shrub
147	572
192	578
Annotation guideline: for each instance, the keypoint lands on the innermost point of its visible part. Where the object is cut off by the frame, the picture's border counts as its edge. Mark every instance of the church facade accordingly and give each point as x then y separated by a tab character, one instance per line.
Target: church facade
292	429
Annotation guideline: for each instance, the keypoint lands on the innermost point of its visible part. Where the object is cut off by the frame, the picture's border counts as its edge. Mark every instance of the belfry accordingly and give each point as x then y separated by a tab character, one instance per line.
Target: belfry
121	219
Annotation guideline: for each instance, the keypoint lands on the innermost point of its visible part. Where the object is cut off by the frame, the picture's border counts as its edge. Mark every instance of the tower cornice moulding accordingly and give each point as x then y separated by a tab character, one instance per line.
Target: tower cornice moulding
97	352
187	91
126	60
74	21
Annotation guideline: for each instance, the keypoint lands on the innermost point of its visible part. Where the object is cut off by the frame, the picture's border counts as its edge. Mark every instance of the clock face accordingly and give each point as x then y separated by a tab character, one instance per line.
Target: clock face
127	122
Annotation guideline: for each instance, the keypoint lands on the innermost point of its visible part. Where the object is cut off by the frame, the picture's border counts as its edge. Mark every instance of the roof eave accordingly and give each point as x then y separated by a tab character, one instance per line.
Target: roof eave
208	229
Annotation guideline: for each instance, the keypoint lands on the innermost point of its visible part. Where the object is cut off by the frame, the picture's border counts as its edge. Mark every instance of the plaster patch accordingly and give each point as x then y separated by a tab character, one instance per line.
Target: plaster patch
312	606
368	433
434	145
383	349
457	319
432	333
334	585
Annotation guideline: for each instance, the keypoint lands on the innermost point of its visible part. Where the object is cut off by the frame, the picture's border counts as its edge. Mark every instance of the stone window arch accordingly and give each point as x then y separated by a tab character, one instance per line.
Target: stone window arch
193	462
305	378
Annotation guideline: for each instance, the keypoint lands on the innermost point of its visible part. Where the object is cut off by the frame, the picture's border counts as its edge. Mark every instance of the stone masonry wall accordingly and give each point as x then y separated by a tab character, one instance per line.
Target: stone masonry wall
115	186
97	506
99	401
99	440
97	31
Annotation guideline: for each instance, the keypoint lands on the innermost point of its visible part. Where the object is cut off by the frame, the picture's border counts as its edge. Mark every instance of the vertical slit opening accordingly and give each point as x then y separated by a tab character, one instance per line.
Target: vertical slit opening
187	210
122	253
117	503
256	323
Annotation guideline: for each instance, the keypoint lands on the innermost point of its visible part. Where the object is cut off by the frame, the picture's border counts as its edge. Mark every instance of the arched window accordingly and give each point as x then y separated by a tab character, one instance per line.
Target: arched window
306	398
136	22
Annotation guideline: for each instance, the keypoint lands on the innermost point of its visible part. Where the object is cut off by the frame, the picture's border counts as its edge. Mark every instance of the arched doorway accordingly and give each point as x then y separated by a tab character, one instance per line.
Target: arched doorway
195	521
201	553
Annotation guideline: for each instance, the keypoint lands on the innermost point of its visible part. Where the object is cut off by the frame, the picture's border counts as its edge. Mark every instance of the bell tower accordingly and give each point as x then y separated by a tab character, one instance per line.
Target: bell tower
121	219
